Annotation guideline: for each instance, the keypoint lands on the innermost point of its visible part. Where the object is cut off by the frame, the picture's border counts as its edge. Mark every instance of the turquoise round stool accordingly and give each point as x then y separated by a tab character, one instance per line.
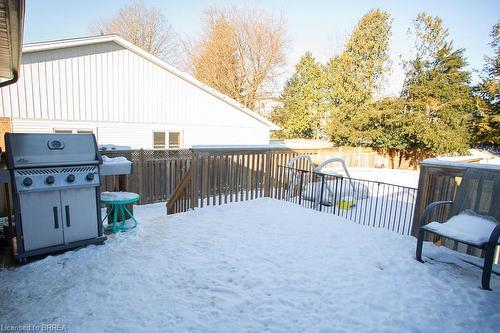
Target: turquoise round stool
117	203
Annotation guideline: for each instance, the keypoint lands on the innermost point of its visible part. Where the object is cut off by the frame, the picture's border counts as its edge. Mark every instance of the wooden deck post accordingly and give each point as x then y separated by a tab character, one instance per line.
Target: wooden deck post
268	173
422	199
194	180
140	175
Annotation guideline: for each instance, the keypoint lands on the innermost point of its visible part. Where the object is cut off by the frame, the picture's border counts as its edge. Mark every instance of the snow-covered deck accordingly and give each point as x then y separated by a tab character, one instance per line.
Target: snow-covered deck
254	266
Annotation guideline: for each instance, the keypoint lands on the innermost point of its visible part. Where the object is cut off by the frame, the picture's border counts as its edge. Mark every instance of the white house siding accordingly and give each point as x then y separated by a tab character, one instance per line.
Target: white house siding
122	95
138	135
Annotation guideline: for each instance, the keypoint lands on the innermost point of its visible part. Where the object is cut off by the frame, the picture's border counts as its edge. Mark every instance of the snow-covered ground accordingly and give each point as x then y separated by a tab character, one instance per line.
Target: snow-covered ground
256	266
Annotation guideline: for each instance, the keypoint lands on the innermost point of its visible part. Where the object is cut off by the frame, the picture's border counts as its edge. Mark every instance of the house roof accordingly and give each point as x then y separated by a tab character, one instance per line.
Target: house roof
65	43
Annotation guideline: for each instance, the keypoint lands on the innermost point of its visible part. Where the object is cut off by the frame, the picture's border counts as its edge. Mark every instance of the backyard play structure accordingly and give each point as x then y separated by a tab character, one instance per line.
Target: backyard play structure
341	190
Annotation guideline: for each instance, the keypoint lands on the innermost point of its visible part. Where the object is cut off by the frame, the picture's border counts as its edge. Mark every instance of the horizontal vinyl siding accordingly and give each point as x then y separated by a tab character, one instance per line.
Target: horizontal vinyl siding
108	83
140	135
48	126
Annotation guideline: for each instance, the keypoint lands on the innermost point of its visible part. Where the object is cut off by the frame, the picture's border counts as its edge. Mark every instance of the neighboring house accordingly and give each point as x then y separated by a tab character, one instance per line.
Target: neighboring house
125	96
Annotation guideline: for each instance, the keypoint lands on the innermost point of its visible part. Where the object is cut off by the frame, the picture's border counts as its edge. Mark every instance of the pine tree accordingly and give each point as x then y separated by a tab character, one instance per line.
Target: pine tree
486	129
438	100
301	115
381	125
355	75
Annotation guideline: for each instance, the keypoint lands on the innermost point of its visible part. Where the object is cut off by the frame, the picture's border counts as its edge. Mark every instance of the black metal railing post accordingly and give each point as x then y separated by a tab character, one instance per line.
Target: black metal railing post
334	199
300	186
376	204
321	192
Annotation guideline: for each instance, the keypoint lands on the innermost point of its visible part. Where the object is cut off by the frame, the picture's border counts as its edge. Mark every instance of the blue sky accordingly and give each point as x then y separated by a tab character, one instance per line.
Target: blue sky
316	26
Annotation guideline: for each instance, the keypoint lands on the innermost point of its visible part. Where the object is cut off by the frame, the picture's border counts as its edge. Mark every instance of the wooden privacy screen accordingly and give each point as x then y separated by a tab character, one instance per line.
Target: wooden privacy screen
438	181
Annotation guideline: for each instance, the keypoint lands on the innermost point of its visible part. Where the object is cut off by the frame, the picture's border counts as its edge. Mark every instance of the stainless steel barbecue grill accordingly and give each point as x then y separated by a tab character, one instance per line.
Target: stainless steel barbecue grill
55	188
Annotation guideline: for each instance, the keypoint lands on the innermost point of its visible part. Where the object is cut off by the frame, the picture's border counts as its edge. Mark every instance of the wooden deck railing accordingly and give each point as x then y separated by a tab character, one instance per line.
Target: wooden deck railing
222	175
156	173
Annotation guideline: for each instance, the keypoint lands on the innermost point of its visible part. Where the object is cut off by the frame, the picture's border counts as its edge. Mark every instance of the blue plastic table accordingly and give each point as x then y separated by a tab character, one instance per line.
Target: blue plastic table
117	203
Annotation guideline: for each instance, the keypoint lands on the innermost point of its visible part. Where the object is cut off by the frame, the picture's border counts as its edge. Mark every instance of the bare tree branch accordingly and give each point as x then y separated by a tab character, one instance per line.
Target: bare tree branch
143	26
240	53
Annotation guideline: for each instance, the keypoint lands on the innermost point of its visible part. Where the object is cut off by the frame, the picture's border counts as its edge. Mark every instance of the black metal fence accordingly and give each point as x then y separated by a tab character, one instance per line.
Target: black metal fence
373	203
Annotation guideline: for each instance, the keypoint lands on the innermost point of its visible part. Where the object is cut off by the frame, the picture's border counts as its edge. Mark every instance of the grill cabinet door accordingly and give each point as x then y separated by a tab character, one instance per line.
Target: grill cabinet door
41	219
78	207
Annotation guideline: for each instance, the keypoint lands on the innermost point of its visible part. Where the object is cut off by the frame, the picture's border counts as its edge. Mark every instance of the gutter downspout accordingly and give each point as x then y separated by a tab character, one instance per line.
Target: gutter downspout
11	81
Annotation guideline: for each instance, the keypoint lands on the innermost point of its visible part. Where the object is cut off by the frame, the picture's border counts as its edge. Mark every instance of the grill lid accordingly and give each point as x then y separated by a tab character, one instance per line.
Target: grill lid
34	150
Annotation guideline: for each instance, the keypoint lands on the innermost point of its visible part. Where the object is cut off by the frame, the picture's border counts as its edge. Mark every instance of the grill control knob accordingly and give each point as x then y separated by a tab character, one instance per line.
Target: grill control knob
27	181
90	176
70	178
50	180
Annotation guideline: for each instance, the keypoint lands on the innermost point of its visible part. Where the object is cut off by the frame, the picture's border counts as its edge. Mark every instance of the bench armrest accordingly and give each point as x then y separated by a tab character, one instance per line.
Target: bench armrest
495	235
430	208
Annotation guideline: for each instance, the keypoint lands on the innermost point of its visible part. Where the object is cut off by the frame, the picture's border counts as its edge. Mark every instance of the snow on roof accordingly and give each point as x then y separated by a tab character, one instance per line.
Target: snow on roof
73	42
255	266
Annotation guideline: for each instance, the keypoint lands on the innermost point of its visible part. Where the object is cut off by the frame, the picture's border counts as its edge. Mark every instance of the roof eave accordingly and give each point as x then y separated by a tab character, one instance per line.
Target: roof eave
11	31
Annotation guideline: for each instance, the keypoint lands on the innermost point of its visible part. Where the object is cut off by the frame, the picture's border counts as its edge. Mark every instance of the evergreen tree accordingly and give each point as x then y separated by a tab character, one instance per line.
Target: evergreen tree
438	100
301	115
381	125
355	75
486	129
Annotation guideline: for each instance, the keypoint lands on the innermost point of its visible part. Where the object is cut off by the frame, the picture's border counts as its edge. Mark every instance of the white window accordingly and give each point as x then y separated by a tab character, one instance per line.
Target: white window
162	140
159	140
174	139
